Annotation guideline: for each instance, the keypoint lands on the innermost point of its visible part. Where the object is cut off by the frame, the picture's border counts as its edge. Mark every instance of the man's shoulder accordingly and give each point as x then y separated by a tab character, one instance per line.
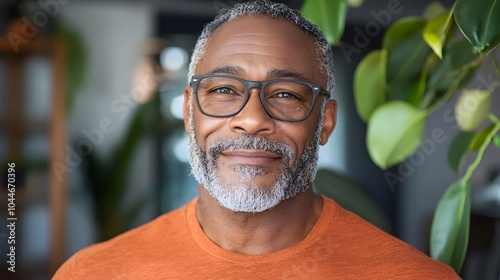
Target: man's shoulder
166	225
379	251
348	226
166	231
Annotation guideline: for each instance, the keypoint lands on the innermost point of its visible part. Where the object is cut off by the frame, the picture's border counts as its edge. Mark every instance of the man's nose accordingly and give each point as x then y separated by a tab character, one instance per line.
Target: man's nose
253	119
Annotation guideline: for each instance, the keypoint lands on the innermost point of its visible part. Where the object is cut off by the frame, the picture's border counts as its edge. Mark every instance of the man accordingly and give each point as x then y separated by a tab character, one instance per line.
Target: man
256	110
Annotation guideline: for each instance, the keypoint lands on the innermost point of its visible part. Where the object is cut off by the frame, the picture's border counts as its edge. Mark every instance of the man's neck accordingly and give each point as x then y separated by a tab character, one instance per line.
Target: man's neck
285	225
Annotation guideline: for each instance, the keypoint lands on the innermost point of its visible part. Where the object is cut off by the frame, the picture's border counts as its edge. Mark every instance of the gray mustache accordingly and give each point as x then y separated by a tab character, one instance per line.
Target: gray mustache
248	142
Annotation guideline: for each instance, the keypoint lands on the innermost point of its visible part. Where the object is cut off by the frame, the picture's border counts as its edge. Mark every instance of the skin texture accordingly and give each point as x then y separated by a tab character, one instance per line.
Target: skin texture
253	48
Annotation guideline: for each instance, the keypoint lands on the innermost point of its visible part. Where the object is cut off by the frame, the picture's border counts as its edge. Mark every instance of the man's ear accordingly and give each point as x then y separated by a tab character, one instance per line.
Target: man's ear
187	104
329	121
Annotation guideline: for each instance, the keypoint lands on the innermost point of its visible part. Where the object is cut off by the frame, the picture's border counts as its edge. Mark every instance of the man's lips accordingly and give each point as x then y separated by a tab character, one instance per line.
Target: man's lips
252	157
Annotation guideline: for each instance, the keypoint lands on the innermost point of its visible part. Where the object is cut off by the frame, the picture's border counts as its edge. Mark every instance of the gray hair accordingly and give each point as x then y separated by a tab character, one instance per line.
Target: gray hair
324	55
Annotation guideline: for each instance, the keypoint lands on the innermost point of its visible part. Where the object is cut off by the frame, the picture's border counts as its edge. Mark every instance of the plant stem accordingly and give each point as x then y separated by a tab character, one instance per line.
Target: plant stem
493	118
426	100
446	96
453	88
483	147
495	63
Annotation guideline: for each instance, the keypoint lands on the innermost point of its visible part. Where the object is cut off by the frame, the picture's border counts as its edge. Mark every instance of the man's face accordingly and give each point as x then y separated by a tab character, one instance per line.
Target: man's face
250	162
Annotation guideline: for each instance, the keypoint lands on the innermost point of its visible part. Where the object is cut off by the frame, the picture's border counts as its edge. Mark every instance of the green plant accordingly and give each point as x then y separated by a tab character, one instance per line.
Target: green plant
423	62
107	178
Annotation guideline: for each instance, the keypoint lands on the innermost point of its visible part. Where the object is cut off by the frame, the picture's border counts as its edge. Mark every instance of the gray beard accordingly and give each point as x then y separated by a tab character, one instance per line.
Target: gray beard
247	196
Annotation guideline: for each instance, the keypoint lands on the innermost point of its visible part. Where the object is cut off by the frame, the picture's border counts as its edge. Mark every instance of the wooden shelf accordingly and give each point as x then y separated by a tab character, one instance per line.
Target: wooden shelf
16	128
26	125
35	45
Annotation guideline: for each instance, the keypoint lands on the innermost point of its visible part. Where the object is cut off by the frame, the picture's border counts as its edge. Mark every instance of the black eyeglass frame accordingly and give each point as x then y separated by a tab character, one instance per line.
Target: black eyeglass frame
317	90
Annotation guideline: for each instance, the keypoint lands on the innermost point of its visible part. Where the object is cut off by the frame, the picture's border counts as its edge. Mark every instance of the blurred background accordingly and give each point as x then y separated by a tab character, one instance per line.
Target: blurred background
91	97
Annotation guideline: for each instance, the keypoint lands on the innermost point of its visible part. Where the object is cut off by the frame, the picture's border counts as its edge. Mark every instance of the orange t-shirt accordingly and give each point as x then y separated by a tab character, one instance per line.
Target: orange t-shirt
340	246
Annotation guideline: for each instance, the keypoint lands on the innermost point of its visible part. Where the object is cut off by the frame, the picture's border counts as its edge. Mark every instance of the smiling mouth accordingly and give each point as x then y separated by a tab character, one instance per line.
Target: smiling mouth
251	157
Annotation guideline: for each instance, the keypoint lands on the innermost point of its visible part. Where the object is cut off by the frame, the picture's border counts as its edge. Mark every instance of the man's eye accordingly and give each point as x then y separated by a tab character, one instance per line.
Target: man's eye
287	95
224	90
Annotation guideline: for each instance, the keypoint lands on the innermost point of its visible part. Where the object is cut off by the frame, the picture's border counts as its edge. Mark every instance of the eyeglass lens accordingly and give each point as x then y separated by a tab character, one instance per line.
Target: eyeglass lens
223	96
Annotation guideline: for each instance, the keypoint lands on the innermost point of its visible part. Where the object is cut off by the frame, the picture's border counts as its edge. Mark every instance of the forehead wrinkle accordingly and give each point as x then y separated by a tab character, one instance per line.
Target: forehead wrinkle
273	73
252	34
273	41
240	48
252	46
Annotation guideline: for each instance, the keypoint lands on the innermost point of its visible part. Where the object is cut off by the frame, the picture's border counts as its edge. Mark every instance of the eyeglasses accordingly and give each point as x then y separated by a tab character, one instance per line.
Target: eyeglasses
285	100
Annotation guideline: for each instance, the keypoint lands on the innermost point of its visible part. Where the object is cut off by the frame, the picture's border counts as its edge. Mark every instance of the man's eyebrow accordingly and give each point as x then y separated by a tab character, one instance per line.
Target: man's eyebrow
229	70
283	74
272	74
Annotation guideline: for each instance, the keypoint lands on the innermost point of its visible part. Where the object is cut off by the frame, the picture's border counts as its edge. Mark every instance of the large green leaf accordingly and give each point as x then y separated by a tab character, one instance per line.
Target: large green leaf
472	108
395	130
369	83
458	150
407	54
450	226
420	86
435	33
479	21
328	15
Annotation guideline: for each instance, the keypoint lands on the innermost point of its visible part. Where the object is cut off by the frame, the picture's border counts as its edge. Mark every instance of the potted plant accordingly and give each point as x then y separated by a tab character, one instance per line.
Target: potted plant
422	63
